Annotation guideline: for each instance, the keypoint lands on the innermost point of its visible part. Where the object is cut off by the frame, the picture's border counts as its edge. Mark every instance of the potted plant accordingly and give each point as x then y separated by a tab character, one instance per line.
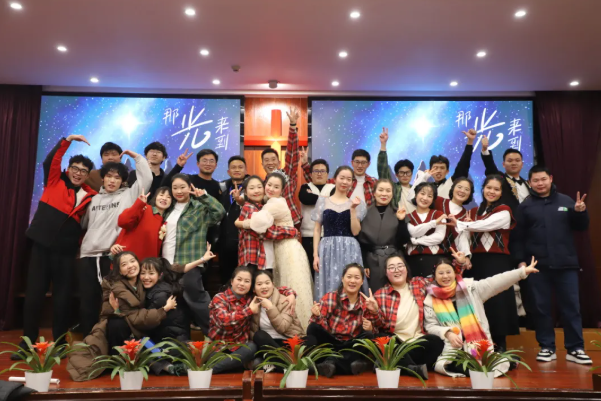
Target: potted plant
41	358
200	357
131	363
596	377
296	359
482	363
386	353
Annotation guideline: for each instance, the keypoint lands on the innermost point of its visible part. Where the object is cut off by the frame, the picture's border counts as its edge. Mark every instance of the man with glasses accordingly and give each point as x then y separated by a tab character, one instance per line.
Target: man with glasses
206	160
155	155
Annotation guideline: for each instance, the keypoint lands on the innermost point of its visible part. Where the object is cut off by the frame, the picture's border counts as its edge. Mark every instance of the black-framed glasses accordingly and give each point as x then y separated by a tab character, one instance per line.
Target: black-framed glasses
404	173
77	170
320	171
361	162
395	268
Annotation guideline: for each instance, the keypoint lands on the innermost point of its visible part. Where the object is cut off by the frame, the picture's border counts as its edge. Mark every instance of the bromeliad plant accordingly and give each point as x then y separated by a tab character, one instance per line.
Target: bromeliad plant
597	344
200	355
130	358
296	357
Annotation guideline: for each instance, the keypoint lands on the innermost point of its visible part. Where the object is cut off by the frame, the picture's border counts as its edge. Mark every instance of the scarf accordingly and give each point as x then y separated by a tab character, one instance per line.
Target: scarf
446	314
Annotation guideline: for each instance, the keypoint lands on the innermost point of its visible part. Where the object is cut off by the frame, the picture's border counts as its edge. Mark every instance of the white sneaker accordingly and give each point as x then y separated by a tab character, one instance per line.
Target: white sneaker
579	356
546	355
268	368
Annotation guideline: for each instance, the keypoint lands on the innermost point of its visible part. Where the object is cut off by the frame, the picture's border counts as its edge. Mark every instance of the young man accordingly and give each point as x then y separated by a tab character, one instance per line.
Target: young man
545	222
206	160
308	195
109	153
403	169
55	231
439	167
102	231
155	155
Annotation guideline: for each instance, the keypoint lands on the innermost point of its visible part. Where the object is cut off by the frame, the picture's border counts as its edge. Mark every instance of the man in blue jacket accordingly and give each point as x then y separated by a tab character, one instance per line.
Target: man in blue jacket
545	222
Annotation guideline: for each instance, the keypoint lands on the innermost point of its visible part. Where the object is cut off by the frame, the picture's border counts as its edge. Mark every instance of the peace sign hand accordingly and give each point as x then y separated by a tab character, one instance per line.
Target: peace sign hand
401	212
304	156
370	302
78	138
183	158
197	192
384	137
459	256
293	115
580	206
208	254
532	267
144	197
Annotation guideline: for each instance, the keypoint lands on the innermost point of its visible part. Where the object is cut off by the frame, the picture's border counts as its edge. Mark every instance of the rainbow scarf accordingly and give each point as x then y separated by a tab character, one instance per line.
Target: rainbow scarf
446	314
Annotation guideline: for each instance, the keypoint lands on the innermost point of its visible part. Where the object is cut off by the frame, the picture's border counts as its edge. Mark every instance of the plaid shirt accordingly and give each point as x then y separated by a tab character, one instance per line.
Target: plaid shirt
192	226
250	245
389	299
369	186
292	160
344	323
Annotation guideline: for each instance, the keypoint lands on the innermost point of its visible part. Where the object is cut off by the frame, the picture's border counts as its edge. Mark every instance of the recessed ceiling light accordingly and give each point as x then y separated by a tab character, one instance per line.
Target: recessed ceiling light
61	48
190	12
342	54
454	83
204	52
574	83
94	80
335	83
355	14
16	6
520	13
216	82
481	54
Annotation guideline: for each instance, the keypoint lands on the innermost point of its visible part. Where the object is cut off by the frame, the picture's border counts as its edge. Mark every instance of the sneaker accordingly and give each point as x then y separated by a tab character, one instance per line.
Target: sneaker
359	366
579	356
420	370
546	355
268	368
326	369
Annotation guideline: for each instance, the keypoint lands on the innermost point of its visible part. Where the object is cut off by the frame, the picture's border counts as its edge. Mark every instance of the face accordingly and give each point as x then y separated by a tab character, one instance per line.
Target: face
343	181
513	163
360	165
319	174
112	181
352	281
492	191
207	164
404	175
462	191
241	283
439	171
424	197
541	183
383	194
155	157
180	190
237	170
163	200
270	162
111	156
396	271
129	266
445	275
263	286
149	277
273	188
77	173
255	190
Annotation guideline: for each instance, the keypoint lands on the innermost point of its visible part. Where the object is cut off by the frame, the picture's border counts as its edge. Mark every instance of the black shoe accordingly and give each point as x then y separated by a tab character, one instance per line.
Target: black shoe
177	369
327	369
420	370
359	366
16	356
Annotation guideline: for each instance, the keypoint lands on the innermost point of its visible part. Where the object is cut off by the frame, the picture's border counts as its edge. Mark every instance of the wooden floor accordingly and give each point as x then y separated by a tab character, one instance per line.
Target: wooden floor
559	374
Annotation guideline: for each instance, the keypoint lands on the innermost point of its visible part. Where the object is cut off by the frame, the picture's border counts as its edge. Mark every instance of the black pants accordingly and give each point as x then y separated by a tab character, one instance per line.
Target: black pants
90	291
308	246
228	261
343	365
197	298
425	354
262	339
45	266
117	331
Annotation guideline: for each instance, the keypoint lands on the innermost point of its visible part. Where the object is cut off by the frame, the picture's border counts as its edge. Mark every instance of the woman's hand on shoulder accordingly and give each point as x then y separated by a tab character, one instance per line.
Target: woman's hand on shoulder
171	304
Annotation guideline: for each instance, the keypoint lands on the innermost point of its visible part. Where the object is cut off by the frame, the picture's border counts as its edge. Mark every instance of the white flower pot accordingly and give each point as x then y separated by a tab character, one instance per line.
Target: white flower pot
297	379
388	378
482	381
131	380
200	378
38	381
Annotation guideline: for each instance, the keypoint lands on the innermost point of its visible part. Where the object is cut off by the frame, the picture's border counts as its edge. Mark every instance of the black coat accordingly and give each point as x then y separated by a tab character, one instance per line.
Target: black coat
544	230
228	234
177	322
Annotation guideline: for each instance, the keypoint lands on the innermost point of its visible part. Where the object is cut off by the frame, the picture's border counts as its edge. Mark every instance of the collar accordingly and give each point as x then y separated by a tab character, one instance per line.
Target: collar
439	183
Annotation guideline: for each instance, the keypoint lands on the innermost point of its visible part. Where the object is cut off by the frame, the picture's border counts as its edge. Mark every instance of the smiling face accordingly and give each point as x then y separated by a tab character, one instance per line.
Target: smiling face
396	271
404	175
163	201
129	267
513	164
263	286
445	275
149	276
254	190
360	165
492	191
180	190
461	192
439	171
541	183
383	194
112	181
424	198
237	170
343	180
273	188
270	162
352	281
77	173
207	164
241	283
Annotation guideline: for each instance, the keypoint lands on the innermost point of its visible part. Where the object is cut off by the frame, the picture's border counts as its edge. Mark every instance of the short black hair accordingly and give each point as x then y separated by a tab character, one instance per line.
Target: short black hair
156	146
403	163
269	150
439	159
458	180
538	169
234	158
361	153
421	186
510	151
205	152
320	161
118	168
181	176
83	160
110	146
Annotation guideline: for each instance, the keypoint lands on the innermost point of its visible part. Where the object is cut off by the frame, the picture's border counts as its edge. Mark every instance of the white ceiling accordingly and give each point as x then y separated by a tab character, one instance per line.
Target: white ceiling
395	46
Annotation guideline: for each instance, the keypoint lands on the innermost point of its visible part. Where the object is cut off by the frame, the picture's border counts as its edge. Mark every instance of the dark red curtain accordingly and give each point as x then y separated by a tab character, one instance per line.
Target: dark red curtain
19	121
570	130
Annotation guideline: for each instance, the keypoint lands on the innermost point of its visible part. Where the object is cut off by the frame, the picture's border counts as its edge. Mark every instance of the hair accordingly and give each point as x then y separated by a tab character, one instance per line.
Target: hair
270	150
115	273
245	184
340	286
163	268
239	269
341	169
320	161
440	261
458	180
510	151
118	168
484	206
266	272
403	163
361	153
439	159
234	158
83	160
205	152
181	176
156	146
423	185
538	169
400	256
277	175
160	190
110	146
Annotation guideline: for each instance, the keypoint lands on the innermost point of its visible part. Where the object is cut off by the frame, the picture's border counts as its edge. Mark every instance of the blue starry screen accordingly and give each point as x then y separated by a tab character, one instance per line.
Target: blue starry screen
133	123
418	129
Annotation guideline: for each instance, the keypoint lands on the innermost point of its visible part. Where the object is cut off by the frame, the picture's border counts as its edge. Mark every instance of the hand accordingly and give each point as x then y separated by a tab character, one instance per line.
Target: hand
454	339
367	326
459	256
266	303
468	264
440	219
484	143
129	153
467	218
304	155
236	195
293	115
356	202
171	304
183	158
197	192
383	138
531	268
254	305
78	138
580	206
401	212
114	302
366	270
370	302
316	309
451	220
471	135
144	197
290	300
208	254
316	263
116	249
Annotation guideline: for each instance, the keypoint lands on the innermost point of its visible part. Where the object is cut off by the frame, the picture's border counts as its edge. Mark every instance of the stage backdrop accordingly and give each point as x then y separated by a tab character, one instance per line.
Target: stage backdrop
419	129
133	123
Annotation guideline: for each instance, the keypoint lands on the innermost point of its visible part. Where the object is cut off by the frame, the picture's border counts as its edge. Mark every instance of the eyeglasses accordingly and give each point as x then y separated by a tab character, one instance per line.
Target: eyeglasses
319	171
361	162
395	268
210	161
404	173
77	170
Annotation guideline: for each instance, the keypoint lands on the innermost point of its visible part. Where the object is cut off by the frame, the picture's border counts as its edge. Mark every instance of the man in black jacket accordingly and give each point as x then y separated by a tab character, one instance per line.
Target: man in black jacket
544	231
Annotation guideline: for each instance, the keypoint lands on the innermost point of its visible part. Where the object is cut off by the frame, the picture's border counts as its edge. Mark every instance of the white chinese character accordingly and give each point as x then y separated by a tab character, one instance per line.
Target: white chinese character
514	127
515	142
463	118
485	127
222	125
222	141
193	124
170	115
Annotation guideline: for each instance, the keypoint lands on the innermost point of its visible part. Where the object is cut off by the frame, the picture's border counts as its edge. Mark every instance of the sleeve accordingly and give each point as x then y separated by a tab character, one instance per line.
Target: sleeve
402	233
222	317
320	206
85	219
130	217
361	211
52	163
286	291
277	233
292	159
497	221
579	221
324	314
306	171
143	181
379	319
177	268
141	318
305	197
214	208
158	300
498	283
433	239
463	165
168	177
383	167
421	229
432	324
462	243
261	221
489	163
244	212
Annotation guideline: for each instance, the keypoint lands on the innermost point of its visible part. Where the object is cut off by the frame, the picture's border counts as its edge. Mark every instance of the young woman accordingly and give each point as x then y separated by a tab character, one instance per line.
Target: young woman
490	227
427	230
340	318
231	313
455	310
383	232
143	227
341	220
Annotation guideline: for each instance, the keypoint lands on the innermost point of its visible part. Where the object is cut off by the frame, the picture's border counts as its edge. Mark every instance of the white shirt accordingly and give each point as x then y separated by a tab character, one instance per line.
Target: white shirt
81	194
168	250
359	190
407	316
269	254
443	189
523	191
266	326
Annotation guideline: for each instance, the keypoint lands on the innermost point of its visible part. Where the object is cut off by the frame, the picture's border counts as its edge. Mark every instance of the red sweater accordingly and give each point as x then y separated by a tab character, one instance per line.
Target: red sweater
140	230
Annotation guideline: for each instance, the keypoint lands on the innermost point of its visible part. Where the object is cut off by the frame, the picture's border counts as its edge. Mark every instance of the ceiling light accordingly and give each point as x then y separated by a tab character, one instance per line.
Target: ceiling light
520	13
61	48
216	82
574	83
342	54
335	83
16	6
204	52
454	83
355	14
190	12
94	80
481	54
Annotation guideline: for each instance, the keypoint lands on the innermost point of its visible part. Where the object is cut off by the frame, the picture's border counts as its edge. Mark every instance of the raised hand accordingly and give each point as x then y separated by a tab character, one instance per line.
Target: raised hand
114	302
304	156
401	212
129	153
197	192
144	197
580	206
484	143
116	249
370	302
367	325
266	303
254	305
471	135
532	267
355	202
441	218
290	300
171	304
293	115
459	256
383	138
316	309
183	158
78	138
208	254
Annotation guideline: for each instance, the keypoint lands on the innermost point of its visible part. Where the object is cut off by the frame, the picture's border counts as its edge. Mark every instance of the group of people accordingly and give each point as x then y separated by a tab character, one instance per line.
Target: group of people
361	258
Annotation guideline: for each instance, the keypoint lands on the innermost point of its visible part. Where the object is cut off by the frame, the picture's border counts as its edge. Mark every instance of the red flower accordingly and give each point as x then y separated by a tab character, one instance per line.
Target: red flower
292	343
196	347
131	348
481	347
381	342
41	348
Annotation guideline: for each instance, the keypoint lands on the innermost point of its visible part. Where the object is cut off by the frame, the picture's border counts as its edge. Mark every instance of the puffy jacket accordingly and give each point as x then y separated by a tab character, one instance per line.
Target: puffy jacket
177	322
280	318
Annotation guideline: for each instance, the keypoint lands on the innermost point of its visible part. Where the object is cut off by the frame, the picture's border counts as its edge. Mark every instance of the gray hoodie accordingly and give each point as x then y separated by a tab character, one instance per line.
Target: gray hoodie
104	210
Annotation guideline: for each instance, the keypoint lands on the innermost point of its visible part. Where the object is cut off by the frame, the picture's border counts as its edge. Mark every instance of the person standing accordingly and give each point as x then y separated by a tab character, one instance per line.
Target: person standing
109	153
206	160
155	154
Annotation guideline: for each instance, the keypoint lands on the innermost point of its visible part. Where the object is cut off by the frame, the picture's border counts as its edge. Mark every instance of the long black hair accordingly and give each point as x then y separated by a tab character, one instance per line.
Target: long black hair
163	269
485	207
115	273
341	286
400	256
